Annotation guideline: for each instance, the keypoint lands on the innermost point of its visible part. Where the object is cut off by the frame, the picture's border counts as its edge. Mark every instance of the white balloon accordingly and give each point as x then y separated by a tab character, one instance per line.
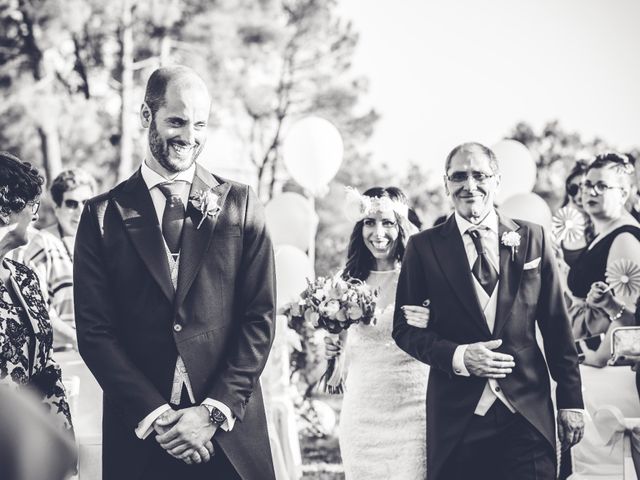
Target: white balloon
291	220
528	206
517	167
293	268
312	152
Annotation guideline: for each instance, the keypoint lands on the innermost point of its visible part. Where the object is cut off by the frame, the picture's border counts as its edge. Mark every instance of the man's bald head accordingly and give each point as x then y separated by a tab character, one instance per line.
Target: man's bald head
176	76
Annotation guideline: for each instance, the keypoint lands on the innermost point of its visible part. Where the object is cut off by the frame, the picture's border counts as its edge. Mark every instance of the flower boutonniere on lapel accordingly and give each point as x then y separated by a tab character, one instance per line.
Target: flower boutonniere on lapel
206	202
511	240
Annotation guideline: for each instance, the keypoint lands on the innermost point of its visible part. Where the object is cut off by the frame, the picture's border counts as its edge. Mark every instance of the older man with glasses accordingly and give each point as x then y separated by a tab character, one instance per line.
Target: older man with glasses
50	251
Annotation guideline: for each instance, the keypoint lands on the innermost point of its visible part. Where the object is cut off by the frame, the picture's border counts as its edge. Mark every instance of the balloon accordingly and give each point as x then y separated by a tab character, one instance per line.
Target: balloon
517	168
291	220
312	152
528	206
292	270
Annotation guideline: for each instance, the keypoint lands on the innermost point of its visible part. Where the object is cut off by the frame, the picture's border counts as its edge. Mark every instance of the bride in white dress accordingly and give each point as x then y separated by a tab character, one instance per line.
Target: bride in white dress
383	417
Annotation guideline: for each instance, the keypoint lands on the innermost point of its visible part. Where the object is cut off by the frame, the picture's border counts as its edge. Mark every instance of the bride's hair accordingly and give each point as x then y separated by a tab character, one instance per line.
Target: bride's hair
360	261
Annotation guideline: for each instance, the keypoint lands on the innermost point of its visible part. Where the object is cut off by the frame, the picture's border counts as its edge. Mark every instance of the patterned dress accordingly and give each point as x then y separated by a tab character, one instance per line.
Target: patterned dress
26	341
383	417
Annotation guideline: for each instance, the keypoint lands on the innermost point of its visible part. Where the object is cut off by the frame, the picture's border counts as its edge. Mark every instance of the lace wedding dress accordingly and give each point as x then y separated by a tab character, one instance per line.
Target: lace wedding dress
383	417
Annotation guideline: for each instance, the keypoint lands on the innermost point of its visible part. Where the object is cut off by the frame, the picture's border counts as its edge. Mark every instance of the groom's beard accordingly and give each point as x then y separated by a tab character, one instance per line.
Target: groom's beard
161	151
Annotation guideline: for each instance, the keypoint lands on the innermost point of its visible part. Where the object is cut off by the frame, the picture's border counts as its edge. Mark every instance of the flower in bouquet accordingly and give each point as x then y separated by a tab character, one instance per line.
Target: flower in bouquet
623	277
334	304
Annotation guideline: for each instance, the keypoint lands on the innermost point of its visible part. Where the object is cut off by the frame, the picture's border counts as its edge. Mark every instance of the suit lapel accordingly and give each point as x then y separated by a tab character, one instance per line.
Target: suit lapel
195	242
141	222
453	260
510	271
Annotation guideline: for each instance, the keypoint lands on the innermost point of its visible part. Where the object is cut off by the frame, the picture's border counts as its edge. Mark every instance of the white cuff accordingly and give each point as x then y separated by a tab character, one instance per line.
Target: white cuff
145	427
231	419
457	363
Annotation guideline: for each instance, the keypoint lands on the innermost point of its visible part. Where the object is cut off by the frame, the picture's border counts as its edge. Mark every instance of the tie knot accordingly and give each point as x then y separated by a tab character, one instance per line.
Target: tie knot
476	234
171	189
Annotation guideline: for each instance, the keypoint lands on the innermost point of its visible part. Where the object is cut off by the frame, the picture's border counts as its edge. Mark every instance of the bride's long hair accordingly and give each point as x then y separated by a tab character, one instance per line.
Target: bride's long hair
360	261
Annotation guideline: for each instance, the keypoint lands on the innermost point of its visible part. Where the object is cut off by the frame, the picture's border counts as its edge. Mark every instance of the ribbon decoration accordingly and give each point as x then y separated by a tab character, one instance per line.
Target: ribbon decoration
623	276
614	428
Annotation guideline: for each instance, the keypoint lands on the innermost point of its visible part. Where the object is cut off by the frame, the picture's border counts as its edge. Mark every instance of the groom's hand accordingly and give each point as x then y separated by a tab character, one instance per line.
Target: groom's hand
188	438
482	361
570	428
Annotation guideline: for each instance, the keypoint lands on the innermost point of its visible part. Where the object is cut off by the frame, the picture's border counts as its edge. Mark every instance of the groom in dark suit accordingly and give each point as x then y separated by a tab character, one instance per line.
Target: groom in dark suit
174	302
489	279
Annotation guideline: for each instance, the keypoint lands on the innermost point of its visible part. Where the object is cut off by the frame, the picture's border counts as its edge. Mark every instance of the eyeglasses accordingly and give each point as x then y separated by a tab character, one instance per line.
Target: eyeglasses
573	189
73	204
461	177
598	187
35	206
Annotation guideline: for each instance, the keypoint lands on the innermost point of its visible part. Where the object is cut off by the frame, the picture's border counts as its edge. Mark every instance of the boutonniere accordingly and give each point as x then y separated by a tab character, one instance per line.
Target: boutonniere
511	240
206	202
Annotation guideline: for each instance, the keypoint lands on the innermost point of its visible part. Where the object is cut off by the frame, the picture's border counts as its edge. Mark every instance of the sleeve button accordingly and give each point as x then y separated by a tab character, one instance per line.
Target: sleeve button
177	327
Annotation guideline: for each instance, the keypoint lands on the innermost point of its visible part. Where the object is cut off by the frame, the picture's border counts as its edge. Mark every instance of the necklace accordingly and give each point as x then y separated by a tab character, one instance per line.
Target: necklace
64	244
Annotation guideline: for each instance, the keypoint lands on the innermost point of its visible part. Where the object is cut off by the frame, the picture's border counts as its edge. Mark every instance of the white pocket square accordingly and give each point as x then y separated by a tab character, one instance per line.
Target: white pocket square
532	264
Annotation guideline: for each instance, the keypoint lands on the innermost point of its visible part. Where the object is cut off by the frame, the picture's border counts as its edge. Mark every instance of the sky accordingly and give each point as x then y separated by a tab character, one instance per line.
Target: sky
444	72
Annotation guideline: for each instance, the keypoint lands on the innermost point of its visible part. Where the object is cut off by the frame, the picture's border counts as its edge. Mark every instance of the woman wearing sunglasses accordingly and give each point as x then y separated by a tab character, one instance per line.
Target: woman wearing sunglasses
50	252
605	191
571	249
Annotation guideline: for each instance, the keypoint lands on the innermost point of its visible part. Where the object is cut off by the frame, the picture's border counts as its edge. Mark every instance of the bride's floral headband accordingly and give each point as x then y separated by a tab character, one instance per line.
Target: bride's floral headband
359	206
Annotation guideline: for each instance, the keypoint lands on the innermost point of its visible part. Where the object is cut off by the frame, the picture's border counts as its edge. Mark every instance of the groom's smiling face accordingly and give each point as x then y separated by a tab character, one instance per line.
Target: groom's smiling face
178	130
472	184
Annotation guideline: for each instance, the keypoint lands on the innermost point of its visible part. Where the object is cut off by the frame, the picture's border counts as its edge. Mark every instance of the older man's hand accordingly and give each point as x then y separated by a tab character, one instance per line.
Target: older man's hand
570	428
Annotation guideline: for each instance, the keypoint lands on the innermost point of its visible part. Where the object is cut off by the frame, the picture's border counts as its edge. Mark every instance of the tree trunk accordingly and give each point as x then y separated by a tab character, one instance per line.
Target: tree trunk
125	166
50	147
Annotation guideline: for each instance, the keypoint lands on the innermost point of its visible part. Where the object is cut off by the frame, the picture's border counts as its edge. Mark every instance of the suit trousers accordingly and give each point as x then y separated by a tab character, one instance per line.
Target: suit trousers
162	466
501	446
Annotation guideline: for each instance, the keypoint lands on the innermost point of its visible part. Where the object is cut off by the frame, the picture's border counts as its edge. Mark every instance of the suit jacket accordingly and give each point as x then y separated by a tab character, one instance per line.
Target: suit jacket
435	266
132	325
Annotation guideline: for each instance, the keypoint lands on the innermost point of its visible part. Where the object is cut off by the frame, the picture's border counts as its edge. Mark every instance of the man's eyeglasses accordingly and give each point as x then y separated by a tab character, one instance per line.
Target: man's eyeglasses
598	187
461	177
73	204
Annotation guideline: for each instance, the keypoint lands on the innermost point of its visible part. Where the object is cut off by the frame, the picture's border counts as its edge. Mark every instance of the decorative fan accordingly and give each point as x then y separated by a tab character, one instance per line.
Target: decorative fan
568	224
623	276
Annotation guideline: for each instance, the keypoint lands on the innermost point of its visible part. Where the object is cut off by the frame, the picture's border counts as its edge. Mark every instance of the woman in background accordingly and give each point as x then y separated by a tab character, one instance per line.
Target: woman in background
25	331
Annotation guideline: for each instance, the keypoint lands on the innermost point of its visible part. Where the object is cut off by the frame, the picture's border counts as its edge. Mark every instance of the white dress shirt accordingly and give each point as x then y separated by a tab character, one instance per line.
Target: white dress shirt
488	304
181	377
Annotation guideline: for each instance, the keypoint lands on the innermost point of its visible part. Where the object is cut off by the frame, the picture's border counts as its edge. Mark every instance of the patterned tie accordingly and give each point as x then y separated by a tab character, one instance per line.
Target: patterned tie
173	216
482	269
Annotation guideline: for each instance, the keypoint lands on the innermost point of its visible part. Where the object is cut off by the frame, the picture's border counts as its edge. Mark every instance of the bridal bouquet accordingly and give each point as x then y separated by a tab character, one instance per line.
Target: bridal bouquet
334	304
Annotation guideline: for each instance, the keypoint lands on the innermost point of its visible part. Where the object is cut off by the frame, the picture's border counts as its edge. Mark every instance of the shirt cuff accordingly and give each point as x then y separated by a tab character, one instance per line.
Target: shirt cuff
145	427
457	363
231	419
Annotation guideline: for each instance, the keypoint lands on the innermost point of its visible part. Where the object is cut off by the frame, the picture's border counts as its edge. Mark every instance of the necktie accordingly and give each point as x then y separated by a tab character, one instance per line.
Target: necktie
482	269
173	216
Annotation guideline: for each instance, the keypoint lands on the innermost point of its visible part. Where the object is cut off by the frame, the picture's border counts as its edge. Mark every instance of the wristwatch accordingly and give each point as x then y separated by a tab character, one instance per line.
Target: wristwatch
215	415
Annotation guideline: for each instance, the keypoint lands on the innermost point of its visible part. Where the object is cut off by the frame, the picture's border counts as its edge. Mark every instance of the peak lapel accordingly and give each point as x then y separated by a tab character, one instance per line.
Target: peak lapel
141	222
510	271
195	242
453	260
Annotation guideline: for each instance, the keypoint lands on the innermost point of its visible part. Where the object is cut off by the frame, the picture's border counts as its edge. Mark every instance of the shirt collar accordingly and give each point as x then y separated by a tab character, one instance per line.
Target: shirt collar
490	222
153	178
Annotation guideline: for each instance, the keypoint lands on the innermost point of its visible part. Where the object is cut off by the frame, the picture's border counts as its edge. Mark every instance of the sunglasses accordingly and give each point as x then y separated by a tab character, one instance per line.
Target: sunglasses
73	204
461	177
573	189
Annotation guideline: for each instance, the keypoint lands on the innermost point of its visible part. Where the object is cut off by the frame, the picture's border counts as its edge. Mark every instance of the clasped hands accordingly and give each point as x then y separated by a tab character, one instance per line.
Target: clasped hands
186	434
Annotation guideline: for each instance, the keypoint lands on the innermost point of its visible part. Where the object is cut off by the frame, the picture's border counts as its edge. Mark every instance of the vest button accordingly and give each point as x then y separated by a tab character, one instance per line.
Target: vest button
177	327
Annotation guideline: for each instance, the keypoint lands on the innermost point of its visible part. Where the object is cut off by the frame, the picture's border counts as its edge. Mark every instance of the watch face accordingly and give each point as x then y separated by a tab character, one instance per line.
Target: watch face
217	416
